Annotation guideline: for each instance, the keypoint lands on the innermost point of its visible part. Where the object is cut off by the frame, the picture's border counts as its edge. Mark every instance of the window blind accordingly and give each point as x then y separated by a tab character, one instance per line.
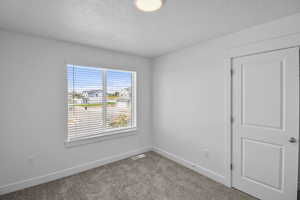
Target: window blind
99	101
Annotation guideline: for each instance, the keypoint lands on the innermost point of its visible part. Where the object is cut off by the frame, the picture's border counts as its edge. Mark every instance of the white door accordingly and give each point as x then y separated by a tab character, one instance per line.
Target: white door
266	124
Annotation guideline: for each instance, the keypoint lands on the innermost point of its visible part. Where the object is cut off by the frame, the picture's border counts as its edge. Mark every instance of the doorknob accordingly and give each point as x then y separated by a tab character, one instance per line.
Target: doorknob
292	140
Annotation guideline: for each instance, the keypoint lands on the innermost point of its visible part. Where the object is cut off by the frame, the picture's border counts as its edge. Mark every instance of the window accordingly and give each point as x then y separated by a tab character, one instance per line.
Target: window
100	101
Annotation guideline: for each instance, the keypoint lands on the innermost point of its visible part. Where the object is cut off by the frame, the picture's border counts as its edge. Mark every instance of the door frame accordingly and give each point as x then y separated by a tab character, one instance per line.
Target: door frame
272	44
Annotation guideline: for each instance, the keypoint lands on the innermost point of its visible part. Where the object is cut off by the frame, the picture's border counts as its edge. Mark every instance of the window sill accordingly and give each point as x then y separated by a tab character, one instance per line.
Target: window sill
101	137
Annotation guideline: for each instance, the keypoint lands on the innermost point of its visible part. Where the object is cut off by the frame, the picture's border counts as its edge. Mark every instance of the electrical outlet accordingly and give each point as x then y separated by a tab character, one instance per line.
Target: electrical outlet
31	158
206	153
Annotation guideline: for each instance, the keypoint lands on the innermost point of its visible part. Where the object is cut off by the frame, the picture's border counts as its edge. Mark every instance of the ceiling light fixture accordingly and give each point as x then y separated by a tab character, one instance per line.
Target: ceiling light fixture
149	5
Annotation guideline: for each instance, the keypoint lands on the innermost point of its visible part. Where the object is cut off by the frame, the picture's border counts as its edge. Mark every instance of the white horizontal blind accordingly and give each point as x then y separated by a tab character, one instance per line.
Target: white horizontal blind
99	101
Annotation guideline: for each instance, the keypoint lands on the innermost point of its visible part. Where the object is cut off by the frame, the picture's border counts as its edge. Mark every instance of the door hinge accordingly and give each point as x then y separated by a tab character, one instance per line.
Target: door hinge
231	71
231	166
232	119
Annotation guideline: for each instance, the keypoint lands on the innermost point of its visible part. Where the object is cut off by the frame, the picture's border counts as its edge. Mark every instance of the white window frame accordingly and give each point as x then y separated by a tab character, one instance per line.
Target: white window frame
111	133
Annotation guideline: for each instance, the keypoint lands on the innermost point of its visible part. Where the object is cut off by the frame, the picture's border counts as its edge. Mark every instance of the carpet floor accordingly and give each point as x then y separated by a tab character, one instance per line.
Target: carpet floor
150	178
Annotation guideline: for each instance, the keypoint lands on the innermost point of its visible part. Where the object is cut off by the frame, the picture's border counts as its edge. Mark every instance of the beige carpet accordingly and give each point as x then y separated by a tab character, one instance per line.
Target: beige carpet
150	178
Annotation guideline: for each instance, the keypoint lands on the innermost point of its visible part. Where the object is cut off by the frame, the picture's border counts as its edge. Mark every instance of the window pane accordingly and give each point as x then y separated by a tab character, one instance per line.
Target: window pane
85	101
119	99
99	100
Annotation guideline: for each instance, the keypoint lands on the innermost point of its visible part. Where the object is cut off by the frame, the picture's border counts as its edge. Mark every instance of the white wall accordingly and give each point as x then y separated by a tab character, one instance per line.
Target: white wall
33	109
189	97
186	95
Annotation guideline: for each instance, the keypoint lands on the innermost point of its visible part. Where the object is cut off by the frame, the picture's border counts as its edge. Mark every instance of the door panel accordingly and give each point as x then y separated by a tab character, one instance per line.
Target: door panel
259	109
251	169
266	111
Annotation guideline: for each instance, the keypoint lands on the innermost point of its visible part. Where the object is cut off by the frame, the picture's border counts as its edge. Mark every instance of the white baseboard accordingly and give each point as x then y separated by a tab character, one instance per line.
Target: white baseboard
67	172
201	170
97	163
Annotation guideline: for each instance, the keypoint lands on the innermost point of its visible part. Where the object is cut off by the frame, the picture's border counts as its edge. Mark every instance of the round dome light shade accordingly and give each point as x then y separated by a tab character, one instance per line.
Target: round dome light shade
149	5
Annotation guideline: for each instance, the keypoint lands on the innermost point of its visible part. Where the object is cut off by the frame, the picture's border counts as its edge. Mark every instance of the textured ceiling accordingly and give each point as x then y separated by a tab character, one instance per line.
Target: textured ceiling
118	25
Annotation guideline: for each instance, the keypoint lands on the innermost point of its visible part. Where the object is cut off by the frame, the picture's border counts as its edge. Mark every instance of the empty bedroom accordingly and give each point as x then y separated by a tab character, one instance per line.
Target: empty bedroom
149	99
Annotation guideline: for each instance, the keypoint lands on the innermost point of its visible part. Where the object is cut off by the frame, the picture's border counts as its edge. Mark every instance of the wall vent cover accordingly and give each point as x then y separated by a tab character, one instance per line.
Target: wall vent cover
138	157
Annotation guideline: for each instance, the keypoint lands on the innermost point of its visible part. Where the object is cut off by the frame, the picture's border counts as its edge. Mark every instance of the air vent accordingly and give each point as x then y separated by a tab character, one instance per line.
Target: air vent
138	157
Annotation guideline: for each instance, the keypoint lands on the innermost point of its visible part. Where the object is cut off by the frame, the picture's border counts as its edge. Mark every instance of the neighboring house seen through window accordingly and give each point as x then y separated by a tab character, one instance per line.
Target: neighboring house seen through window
100	101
